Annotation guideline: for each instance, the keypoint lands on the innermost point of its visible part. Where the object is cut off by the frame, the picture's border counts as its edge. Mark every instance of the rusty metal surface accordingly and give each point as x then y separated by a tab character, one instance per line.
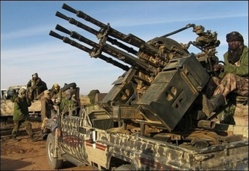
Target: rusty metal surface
149	153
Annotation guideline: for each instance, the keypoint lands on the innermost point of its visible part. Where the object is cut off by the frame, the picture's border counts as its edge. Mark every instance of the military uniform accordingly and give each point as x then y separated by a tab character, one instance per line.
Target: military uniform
234	75
47	107
21	115
56	94
69	105
36	86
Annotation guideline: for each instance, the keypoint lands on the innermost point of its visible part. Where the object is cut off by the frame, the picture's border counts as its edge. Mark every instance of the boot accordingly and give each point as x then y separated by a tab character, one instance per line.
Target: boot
32	138
44	135
210	105
14	138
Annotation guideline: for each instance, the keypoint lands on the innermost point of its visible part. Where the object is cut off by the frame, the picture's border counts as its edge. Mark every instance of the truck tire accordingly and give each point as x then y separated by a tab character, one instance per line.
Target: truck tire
125	167
53	162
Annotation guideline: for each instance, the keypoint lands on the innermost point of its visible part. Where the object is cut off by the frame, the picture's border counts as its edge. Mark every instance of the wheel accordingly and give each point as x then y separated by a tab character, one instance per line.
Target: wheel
126	167
50	147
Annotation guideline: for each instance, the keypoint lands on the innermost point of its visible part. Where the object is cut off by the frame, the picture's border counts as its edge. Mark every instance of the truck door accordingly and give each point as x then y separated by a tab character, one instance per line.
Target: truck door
73	137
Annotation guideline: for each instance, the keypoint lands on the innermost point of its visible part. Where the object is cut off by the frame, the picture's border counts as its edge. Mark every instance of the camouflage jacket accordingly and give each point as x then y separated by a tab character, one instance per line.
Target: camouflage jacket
21	110
240	68
38	84
68	105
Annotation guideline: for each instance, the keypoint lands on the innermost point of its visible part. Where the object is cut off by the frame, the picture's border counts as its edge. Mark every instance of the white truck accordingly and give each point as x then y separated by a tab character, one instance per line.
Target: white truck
7	105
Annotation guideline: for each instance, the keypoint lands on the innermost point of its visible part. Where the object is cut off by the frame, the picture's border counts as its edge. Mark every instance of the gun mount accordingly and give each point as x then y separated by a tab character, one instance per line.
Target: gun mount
162	79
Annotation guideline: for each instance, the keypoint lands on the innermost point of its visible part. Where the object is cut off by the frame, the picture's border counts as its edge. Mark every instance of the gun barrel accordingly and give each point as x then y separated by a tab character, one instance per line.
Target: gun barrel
84	16
147	53
120	55
95	32
131	39
115	63
58	14
69	41
77	23
54	34
86	49
62	29
65	6
77	36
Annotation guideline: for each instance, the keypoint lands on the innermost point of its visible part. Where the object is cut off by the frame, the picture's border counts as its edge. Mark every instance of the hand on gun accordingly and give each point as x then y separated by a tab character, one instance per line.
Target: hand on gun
218	67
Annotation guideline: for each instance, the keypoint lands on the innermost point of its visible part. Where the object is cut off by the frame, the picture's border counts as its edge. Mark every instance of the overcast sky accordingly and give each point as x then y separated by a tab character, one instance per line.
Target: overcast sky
27	48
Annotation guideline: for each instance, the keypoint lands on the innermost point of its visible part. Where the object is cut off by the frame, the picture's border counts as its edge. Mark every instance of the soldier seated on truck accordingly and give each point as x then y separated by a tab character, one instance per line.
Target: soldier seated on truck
233	75
36	86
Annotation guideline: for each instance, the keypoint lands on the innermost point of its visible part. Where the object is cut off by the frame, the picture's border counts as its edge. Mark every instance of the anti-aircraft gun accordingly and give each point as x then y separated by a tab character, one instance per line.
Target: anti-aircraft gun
160	76
154	104
162	83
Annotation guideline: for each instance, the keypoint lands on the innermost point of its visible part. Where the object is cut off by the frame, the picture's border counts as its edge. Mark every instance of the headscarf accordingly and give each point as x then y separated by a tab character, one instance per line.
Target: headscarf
21	92
234	54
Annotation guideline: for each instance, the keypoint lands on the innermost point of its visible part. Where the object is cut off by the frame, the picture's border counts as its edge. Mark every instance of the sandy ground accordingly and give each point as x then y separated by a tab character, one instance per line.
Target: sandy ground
27	155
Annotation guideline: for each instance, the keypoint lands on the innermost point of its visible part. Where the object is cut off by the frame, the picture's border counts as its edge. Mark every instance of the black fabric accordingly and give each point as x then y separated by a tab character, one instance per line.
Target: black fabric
234	36
234	54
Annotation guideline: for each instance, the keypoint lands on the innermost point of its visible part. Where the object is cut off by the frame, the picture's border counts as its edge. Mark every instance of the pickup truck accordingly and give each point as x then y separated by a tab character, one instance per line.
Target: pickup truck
94	138
152	117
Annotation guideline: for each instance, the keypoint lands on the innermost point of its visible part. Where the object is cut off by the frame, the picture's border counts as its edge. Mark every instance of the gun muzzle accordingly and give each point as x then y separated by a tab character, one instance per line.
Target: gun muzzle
206	124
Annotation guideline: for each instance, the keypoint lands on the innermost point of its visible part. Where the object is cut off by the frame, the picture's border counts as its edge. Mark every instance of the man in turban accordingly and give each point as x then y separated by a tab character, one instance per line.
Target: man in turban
234	74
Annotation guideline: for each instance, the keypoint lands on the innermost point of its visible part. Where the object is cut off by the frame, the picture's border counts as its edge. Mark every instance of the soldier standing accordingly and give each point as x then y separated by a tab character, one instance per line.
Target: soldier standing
46	111
36	86
21	114
234	73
